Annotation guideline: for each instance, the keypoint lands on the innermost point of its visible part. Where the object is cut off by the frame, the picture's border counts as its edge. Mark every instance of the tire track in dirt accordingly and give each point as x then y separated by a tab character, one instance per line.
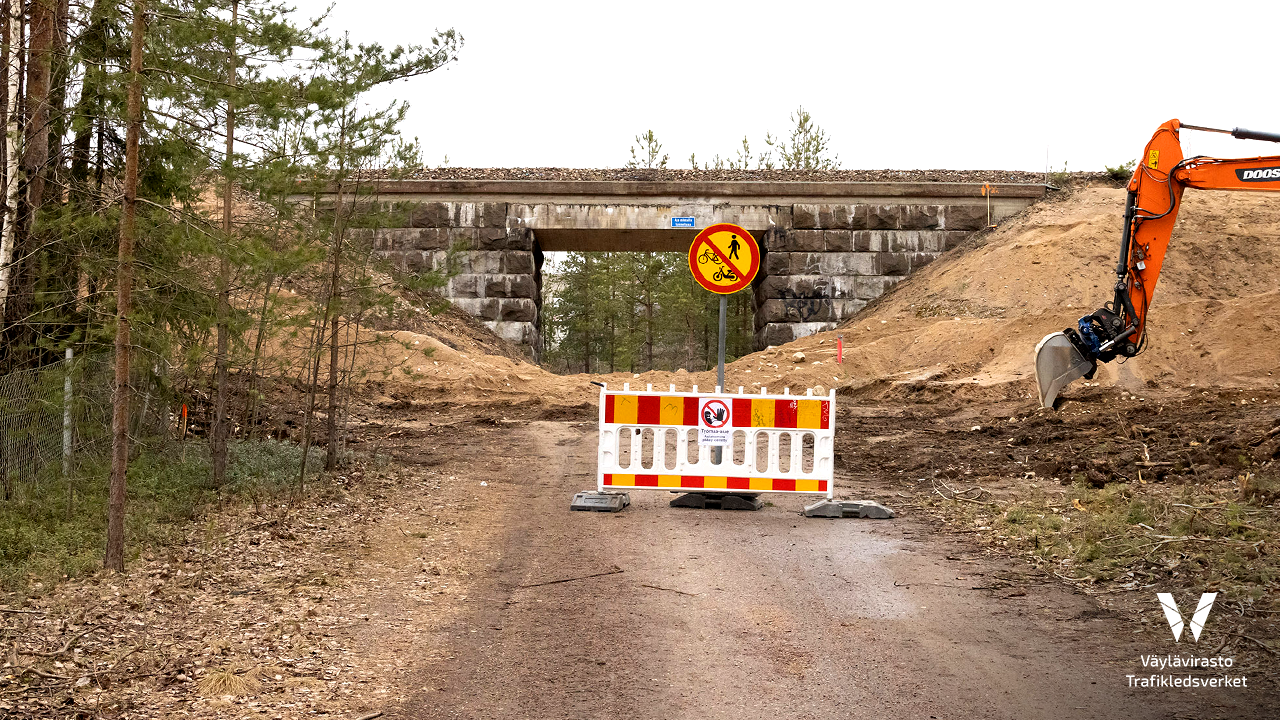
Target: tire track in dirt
749	615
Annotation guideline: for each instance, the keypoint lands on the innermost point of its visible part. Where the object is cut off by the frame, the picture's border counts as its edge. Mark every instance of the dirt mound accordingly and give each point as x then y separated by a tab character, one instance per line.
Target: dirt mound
420	356
971	319
975	315
418	352
968	323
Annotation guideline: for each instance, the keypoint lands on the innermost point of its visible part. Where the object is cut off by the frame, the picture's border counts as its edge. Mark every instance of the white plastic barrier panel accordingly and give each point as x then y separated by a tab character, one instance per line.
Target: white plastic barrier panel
667	441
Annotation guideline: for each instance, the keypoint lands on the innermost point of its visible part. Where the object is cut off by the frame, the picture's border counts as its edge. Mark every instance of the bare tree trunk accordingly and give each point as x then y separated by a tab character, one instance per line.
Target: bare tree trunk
12	76
586	327
220	420
124	289
256	384
60	76
648	310
329	314
351	373
312	377
35	158
331	311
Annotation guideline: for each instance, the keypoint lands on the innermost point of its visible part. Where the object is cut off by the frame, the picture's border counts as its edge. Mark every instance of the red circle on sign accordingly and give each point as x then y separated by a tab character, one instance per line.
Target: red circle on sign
710	404
745	274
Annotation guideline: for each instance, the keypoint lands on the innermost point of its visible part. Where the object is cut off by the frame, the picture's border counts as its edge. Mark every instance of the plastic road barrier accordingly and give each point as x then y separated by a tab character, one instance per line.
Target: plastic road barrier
664	440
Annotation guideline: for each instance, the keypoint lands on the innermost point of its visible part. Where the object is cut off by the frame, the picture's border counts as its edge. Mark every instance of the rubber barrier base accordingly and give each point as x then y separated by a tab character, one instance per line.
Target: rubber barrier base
600	502
719	501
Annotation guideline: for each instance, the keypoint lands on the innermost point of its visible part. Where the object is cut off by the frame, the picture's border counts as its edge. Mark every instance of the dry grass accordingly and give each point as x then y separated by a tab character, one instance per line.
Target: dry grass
1212	535
230	681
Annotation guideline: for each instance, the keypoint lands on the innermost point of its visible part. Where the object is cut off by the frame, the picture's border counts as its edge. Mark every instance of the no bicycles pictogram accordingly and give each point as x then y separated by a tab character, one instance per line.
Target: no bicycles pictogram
724	258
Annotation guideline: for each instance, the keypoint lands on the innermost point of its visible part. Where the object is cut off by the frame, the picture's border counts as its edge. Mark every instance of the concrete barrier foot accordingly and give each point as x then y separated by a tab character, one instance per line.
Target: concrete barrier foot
849	508
690	500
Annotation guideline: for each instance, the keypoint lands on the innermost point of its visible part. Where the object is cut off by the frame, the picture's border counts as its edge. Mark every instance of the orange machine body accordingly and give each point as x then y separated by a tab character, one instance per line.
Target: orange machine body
1155	196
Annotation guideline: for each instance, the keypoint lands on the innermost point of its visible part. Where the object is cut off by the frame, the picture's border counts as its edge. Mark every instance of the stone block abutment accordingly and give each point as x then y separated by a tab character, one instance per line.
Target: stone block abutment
829	247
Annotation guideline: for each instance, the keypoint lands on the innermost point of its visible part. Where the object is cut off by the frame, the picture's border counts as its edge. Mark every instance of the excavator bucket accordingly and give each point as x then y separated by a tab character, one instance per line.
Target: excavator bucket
1058	362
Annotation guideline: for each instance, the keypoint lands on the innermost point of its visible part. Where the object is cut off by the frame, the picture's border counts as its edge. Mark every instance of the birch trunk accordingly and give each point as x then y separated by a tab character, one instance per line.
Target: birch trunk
13	75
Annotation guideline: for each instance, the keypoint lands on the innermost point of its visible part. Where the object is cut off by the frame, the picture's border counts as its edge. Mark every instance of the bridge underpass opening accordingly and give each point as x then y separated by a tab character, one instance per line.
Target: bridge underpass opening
607	310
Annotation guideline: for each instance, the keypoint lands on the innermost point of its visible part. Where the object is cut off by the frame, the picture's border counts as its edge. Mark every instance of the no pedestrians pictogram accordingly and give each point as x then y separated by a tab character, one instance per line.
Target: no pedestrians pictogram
724	258
714	416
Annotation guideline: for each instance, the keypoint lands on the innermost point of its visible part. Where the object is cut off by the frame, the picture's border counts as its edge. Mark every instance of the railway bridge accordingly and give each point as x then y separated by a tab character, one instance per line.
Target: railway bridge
830	246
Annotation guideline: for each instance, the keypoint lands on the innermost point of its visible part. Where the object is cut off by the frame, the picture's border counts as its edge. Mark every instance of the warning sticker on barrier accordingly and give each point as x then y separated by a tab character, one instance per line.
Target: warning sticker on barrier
714	416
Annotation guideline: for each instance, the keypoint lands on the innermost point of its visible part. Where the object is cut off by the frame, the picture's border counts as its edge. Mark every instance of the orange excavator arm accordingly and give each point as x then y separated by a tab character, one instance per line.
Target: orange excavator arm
1151	208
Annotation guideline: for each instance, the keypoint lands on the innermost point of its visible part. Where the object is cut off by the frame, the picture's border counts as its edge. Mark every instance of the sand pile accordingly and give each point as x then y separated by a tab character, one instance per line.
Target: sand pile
450	358
973	317
968	322
422	351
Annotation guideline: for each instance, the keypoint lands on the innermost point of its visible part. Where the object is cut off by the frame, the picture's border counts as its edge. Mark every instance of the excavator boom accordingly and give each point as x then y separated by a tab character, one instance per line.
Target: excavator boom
1151	208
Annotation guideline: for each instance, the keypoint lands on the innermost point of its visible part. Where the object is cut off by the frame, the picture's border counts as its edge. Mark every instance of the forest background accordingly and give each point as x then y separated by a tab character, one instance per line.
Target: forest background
168	262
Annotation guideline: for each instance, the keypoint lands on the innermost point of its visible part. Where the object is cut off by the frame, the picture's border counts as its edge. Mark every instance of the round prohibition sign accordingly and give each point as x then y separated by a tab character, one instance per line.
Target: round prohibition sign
715	414
724	258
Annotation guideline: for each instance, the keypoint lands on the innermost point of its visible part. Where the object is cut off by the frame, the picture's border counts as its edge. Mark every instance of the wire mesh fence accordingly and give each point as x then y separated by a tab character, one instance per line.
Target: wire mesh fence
55	418
56	431
34	422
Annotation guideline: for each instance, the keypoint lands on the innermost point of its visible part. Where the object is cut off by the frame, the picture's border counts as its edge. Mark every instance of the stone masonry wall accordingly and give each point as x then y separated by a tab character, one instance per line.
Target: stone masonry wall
822	262
837	258
497	278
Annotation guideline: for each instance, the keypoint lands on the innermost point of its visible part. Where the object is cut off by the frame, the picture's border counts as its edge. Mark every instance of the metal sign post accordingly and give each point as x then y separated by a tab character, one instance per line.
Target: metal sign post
724	316
724	259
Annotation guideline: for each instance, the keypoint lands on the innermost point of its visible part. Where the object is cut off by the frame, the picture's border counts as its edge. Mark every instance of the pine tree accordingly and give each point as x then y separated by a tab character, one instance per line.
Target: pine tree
114	559
807	147
650	153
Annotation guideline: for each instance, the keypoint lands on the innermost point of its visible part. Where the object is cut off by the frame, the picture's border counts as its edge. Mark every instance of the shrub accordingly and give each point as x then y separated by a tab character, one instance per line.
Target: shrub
1121	173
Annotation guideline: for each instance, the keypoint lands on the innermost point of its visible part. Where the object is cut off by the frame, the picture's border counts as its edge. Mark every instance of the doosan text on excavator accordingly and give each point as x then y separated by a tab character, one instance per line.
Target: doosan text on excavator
1118	329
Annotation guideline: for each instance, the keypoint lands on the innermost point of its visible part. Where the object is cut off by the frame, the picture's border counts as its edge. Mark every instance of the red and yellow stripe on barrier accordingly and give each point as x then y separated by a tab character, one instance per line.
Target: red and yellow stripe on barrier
800	413
708	482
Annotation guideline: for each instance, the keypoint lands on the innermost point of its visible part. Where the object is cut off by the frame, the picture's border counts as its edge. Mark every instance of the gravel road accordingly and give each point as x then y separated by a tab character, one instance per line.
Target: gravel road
660	612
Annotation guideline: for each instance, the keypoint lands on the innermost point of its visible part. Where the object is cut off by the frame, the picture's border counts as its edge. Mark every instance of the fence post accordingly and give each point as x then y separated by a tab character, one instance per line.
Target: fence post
66	416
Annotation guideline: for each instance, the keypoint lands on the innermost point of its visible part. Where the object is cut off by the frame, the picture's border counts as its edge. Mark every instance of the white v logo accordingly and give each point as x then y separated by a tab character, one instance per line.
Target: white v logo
1174	615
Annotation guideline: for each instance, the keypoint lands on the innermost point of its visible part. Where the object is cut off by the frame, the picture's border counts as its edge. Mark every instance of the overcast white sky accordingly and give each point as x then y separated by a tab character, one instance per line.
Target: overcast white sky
959	85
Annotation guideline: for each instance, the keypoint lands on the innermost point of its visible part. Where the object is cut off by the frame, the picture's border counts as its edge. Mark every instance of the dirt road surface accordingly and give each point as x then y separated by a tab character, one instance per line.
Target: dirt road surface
659	612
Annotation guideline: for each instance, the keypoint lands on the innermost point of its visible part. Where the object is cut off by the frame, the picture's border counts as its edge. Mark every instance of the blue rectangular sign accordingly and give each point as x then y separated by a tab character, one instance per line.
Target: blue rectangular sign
682	222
